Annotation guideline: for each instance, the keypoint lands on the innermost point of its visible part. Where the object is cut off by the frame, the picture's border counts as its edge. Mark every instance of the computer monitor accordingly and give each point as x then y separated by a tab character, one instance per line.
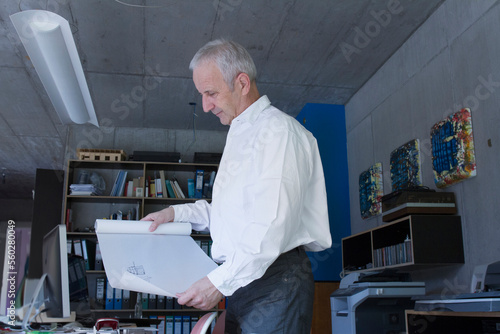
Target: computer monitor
54	281
55	266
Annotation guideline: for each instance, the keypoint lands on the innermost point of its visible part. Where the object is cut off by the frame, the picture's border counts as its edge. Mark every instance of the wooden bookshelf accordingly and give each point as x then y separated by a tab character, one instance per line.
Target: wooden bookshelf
81	211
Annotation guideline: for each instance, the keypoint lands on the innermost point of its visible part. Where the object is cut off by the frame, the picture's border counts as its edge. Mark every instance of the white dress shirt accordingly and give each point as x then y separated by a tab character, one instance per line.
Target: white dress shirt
268	197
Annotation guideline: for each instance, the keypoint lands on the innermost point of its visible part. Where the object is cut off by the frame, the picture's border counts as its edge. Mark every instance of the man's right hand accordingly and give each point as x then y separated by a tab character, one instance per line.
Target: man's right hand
157	218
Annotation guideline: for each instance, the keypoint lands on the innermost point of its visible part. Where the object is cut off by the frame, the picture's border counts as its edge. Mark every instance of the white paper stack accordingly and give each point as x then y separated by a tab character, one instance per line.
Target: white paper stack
164	262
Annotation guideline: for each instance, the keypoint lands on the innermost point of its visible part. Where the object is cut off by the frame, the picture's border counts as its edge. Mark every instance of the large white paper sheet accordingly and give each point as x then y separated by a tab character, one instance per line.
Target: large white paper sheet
164	262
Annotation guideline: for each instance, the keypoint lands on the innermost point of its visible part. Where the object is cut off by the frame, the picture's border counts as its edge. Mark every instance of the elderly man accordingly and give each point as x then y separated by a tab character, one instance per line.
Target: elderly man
268	206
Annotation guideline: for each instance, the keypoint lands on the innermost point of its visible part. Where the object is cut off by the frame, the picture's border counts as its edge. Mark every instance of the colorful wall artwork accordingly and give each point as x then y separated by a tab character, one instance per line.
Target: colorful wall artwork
371	191
453	158
405	166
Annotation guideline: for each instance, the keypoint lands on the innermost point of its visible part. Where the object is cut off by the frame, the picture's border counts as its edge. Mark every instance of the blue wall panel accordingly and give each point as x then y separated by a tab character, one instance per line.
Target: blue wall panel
327	123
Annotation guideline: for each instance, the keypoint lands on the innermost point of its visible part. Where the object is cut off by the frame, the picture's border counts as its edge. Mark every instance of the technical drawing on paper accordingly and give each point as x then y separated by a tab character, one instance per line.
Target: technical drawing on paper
138	270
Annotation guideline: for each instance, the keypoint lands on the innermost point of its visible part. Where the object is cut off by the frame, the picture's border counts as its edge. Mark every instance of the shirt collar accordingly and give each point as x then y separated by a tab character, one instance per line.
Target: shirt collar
251	113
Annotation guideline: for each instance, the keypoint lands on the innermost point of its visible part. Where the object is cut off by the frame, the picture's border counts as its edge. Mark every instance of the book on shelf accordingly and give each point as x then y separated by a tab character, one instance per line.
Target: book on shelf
194	320
117	299
158	188
198	184
129	189
177	323
169	324
77	279
152	301
191	188
138	186
160	302
145	301
126	302
69	220
109	296
161	182
100	288
119	184
152	187
98	258
77	247
177	187
170	189
161	325
186	324
85	253
123	181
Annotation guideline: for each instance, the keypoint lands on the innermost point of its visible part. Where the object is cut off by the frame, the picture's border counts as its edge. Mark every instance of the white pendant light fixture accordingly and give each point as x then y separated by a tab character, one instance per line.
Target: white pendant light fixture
50	45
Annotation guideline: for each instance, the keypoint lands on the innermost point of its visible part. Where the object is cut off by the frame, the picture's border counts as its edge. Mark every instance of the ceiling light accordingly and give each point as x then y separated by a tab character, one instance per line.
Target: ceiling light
48	40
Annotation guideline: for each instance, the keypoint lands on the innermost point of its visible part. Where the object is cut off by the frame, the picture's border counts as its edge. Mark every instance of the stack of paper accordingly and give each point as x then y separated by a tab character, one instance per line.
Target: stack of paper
84	189
164	262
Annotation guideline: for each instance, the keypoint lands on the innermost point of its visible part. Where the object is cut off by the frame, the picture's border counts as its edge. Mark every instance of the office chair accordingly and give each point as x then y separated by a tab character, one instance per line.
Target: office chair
204	323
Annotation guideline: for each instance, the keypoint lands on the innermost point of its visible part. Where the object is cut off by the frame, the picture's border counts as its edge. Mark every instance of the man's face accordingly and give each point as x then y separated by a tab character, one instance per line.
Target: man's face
216	95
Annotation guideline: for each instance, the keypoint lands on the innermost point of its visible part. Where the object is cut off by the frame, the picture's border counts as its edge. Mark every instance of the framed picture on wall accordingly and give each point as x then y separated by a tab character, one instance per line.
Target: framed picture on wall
453	158
371	191
405	166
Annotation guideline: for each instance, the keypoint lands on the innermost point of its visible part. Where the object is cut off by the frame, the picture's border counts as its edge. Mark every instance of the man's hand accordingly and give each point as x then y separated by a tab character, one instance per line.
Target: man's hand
201	295
160	217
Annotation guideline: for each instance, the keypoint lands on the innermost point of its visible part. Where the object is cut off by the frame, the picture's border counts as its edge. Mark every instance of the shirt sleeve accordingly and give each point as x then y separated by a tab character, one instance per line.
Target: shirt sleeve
275	206
197	213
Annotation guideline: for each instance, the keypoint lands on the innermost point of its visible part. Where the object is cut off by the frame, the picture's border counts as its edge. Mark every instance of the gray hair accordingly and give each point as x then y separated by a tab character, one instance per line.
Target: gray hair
231	58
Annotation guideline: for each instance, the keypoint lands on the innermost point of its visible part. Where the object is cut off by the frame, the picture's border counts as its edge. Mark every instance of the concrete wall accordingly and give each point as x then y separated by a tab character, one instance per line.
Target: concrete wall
451	61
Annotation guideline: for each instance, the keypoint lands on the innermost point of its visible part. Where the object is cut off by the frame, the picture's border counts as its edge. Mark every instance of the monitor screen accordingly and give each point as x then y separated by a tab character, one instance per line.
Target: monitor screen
55	266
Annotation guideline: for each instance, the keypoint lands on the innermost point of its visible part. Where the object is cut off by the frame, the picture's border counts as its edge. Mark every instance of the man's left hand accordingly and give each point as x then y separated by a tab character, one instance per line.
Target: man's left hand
202	295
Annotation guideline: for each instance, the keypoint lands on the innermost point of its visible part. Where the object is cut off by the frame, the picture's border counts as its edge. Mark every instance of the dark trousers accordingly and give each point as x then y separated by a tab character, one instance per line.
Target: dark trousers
281	301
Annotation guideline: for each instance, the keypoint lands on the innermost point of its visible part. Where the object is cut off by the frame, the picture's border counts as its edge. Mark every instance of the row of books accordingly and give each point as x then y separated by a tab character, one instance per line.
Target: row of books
394	254
178	324
200	186
161	187
109	298
118	299
88	250
77	279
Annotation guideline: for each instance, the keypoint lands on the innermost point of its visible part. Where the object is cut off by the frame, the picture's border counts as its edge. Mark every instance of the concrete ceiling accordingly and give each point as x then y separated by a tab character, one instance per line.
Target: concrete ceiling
135	55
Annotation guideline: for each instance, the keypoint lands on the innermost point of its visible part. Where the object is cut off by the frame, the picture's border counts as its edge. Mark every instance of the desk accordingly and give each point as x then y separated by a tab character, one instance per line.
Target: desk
437	322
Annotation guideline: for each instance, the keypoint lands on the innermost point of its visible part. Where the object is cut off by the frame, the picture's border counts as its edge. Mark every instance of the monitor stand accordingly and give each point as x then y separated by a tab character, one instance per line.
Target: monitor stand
28	314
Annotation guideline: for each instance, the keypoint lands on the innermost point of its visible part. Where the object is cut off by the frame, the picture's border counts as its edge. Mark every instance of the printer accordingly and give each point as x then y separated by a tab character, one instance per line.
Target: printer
484	295
373	302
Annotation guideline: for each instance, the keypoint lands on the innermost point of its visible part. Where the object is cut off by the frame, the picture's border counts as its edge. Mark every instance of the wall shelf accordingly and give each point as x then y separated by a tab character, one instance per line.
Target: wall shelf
407	243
